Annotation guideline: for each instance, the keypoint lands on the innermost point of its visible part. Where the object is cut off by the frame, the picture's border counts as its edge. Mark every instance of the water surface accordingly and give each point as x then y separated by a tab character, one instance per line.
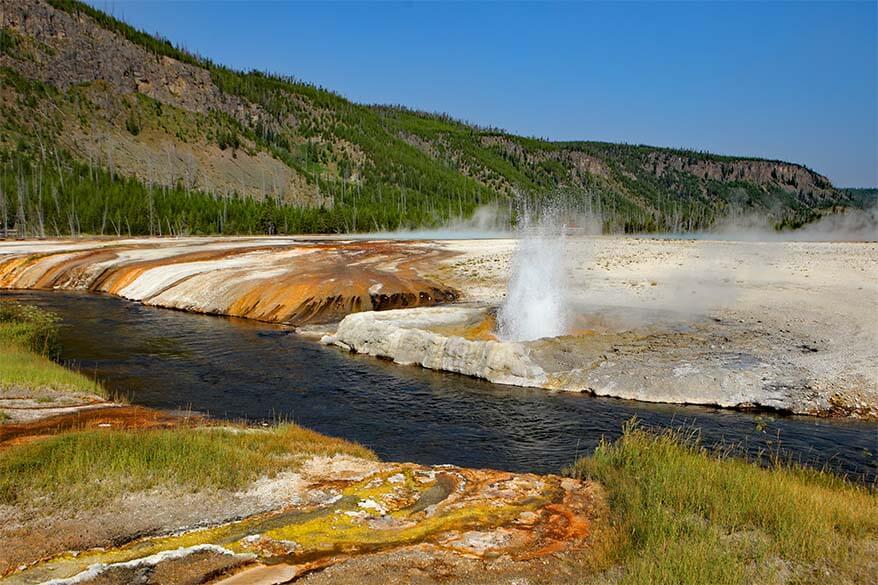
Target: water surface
246	370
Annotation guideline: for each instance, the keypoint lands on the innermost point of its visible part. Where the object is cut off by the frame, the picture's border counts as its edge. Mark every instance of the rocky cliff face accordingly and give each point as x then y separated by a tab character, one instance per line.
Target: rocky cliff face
65	50
790	177
72	53
586	161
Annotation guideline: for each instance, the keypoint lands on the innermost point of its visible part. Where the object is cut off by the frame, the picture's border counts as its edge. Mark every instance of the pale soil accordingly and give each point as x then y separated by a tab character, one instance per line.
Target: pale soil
21	404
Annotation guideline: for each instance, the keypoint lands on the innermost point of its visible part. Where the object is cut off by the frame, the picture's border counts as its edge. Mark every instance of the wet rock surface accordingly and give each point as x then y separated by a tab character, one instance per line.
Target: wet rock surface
267	279
346	509
708	362
411	337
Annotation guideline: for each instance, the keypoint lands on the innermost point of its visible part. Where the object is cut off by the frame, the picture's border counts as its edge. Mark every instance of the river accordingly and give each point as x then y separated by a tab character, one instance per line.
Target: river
252	371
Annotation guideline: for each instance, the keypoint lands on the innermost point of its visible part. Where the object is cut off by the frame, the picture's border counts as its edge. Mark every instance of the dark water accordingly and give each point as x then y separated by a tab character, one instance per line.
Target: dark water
244	370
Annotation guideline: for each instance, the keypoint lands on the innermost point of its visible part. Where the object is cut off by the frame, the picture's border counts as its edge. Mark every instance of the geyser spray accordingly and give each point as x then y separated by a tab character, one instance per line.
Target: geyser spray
536	304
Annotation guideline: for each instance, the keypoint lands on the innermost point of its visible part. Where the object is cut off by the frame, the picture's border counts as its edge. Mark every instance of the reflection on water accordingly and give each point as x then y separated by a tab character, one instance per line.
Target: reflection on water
244	370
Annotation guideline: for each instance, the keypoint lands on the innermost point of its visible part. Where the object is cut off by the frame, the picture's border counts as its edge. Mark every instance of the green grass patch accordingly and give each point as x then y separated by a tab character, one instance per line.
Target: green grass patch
87	468
682	514
28	339
23	368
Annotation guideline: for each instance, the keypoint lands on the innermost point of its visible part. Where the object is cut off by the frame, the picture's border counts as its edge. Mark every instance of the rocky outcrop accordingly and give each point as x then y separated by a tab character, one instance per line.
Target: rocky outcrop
577	160
406	338
70	50
710	364
791	177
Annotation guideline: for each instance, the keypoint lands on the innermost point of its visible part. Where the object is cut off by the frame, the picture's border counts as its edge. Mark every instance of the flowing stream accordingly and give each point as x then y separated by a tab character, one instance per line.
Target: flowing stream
247	370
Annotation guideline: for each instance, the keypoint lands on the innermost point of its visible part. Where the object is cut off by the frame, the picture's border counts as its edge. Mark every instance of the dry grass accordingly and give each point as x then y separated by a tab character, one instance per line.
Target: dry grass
683	515
87	468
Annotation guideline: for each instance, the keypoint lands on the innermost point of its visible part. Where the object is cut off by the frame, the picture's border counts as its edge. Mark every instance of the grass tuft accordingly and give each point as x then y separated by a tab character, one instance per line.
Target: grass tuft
28	371
681	514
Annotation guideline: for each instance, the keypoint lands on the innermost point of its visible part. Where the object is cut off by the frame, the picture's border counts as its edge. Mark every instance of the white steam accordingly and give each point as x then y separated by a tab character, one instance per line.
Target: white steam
847	225
487	221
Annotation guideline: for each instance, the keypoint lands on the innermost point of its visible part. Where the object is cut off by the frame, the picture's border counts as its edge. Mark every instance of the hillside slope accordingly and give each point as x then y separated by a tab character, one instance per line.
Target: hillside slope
106	129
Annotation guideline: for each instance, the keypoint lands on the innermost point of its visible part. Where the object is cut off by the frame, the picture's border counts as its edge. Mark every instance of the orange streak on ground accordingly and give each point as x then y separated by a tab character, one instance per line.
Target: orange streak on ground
325	285
483	330
11	270
116	278
57	274
118	417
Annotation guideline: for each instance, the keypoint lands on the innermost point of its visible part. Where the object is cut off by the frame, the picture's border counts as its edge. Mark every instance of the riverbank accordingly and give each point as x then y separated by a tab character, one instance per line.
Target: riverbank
680	513
32	386
238	505
278	280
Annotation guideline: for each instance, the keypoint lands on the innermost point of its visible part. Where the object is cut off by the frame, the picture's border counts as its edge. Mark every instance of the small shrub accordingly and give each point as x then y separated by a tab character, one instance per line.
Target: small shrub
29	326
132	124
10	43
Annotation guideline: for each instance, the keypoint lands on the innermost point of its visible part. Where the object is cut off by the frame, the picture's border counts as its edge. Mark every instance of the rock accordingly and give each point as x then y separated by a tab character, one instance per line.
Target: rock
404	337
647	365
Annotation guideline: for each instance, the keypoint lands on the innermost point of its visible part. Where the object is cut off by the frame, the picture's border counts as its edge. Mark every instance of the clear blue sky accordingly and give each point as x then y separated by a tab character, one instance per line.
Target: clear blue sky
794	81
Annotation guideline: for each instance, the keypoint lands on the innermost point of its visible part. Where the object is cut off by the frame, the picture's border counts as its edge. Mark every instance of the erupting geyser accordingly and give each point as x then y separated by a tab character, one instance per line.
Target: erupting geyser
535	304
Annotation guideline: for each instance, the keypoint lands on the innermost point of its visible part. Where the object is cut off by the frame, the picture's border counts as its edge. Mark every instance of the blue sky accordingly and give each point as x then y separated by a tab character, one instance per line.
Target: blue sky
793	81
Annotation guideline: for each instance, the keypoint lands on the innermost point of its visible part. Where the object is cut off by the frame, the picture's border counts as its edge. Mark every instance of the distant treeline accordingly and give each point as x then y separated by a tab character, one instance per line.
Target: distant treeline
865	197
57	196
61	196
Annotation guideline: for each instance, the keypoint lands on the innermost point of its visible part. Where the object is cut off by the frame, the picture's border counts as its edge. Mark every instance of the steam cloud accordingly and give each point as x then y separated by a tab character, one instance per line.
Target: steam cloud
849	225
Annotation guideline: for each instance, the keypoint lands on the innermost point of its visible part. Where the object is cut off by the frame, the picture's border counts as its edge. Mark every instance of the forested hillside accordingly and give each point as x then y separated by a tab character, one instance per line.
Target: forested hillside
108	130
